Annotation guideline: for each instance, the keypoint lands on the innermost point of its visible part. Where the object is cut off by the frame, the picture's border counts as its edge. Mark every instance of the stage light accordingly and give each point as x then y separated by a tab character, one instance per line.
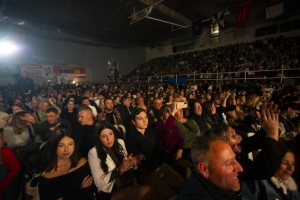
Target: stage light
8	48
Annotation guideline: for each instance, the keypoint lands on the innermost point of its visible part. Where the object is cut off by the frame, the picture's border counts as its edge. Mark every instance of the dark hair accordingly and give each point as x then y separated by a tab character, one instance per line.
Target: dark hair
52	109
123	99
70	100
101	152
84	98
191	105
18	98
76	98
167	97
108	99
161	112
219	130
19	105
207	106
60	131
136	111
293	106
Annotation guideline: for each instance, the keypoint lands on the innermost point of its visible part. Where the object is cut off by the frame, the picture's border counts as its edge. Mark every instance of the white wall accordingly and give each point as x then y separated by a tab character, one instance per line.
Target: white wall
229	36
36	50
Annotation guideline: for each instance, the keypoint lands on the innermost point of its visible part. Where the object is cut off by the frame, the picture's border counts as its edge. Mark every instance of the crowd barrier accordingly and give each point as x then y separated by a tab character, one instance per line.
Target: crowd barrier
276	74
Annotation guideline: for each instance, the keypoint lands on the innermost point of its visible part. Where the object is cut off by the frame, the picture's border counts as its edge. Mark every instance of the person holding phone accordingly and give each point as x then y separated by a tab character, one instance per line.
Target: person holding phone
187	128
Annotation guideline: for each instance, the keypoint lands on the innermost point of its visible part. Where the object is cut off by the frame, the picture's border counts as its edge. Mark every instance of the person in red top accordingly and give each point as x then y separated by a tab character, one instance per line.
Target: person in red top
9	160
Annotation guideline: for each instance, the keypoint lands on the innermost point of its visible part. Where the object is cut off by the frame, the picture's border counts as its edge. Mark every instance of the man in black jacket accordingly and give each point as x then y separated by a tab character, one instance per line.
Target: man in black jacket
84	131
152	171
25	86
125	113
217	170
45	128
286	123
263	167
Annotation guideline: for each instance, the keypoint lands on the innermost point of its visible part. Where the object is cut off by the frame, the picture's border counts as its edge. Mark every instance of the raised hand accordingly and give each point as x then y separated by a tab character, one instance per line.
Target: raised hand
268	119
51	101
28	118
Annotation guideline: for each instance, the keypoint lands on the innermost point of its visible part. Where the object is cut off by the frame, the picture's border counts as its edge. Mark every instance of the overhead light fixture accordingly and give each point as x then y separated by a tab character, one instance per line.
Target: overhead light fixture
7	48
21	23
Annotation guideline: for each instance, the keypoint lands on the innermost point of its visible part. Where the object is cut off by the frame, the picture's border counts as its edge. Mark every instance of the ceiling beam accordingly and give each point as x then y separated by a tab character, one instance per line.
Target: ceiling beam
168	11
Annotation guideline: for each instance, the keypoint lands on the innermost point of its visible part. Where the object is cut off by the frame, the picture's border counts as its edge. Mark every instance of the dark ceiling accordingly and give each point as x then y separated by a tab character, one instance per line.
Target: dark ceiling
106	22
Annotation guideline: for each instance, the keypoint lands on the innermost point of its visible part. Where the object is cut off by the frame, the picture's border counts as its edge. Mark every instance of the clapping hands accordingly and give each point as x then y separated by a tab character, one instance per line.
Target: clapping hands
131	161
138	158
268	119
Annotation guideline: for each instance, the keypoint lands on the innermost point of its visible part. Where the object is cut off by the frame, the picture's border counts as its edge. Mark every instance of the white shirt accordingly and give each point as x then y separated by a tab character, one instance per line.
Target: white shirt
94	110
101	179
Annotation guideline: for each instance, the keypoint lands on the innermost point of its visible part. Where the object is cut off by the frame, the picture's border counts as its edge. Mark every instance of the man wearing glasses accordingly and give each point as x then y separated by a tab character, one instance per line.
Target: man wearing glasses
45	128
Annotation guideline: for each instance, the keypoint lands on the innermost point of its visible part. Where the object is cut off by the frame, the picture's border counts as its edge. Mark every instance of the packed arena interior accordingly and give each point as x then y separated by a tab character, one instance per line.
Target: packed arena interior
214	123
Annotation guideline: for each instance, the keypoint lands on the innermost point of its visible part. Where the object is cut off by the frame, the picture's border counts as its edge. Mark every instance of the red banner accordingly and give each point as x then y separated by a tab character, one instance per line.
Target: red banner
77	72
242	14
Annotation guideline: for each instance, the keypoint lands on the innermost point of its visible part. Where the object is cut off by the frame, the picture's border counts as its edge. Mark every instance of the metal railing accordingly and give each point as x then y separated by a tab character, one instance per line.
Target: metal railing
279	74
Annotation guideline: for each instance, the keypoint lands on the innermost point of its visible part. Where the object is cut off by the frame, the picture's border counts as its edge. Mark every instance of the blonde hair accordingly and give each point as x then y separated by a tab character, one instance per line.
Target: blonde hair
17	123
252	101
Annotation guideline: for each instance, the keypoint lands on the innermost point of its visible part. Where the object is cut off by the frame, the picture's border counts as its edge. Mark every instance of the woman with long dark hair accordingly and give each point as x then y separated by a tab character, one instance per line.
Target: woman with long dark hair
67	175
110	164
168	99
60	100
70	113
196	115
210	115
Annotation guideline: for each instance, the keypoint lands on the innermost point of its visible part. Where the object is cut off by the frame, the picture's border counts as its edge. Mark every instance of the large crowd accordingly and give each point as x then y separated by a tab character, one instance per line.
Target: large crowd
229	140
263	54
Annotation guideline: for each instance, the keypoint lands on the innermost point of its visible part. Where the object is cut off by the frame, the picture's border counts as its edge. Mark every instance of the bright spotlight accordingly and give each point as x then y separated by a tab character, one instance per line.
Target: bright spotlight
7	48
